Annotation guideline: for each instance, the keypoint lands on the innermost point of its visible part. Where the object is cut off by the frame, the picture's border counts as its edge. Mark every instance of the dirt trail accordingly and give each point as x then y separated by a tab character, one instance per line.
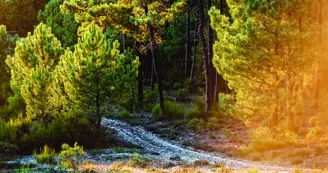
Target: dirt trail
158	148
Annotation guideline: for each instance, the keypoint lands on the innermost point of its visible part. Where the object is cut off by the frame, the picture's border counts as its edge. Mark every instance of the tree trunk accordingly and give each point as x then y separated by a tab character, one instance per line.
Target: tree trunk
124	42
188	47
152	76
98	116
207	71
153	47
217	88
210	40
140	83
317	70
192	70
276	111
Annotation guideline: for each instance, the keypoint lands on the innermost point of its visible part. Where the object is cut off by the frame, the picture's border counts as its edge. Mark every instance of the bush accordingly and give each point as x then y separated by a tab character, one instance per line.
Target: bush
196	123
182	94
124	114
226	102
199	106
264	139
213	123
71	157
138	161
10	131
46	155
150	98
192	113
7	150
172	111
118	150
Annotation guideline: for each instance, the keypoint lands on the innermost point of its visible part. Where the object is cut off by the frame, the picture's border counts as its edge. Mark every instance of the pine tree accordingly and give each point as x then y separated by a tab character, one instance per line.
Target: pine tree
96	74
258	53
142	20
7	46
63	26
32	71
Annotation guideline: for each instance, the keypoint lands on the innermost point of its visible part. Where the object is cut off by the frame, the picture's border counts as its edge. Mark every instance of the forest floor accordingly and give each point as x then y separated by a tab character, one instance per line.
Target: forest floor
171	146
232	140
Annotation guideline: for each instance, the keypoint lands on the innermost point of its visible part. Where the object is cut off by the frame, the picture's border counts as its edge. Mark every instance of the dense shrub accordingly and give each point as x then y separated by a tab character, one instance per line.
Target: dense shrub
199	104
29	135
192	113
213	123
226	102
196	123
124	114
264	139
182	94
138	161
7	150
46	155
172	111
71	157
150	98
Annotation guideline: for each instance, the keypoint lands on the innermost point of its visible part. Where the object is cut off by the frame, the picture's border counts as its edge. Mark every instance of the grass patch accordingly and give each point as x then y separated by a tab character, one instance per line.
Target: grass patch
118	150
138	161
45	156
173	111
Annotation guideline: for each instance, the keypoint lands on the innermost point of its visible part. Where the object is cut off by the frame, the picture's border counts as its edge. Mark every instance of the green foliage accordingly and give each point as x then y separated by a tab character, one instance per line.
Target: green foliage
297	170
173	111
7	46
125	114
197	110
15	108
95	74
156	112
193	113
253	170
118	150
71	157
138	161
182	94
131	17
63	26
46	155
150	98
226	102
213	123
199	104
11	130
7	150
197	124
29	134
32	71
264	139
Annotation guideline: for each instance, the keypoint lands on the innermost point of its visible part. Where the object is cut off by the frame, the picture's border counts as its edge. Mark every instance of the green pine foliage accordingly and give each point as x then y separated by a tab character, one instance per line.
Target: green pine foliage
71	157
259	52
96	73
7	46
128	16
63	26
32	73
